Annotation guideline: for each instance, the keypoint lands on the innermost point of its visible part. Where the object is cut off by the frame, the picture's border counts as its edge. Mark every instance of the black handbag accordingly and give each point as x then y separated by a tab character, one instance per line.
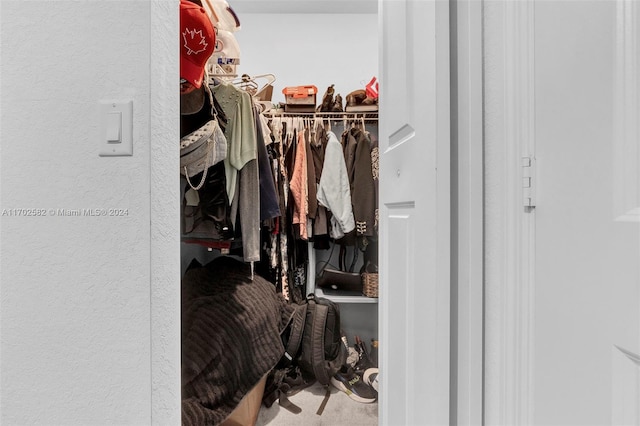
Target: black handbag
340	280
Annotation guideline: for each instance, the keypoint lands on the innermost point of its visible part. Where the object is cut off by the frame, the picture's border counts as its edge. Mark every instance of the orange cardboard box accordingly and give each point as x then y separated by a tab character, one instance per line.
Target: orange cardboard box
300	98
246	413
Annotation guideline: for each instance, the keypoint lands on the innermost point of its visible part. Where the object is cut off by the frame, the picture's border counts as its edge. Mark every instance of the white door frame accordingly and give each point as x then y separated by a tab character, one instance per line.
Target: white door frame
509	226
164	228
467	185
165	214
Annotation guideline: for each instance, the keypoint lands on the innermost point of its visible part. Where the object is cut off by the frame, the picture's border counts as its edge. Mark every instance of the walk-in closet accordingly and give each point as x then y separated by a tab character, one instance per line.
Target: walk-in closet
304	82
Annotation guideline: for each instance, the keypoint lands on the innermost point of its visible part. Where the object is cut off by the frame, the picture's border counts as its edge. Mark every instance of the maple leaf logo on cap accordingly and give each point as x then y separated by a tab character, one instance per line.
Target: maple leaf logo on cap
198	38
194	41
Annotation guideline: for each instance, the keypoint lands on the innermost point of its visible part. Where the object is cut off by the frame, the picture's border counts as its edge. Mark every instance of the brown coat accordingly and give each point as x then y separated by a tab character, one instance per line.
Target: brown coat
356	146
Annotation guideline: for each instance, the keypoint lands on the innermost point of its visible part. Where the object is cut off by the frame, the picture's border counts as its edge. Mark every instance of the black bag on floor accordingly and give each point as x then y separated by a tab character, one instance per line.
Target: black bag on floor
322	352
314	351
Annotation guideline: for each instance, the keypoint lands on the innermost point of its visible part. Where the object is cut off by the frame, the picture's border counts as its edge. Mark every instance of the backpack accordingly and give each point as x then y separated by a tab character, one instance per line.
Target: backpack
316	325
314	351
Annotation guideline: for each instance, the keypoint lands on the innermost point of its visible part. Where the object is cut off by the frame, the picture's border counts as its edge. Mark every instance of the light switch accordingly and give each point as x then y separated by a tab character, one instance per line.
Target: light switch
116	128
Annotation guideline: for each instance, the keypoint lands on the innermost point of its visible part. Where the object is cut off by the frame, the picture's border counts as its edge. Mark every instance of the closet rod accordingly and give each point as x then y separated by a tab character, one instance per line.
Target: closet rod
367	115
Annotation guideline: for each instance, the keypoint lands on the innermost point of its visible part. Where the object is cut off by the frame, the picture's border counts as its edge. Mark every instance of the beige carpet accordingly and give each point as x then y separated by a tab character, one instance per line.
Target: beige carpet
340	410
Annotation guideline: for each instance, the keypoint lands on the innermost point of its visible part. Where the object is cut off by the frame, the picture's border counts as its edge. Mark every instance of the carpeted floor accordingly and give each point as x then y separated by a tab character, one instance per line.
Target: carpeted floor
340	410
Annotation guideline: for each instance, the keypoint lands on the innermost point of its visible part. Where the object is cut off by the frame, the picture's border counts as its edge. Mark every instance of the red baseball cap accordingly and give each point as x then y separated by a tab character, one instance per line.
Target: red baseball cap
197	41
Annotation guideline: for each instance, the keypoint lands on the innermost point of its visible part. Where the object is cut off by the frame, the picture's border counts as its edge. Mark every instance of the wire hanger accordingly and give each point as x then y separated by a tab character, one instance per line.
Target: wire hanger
216	70
246	83
266	91
262	96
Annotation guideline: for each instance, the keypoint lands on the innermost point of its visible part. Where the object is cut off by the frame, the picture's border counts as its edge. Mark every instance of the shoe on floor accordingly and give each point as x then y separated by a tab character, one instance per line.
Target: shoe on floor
352	384
370	377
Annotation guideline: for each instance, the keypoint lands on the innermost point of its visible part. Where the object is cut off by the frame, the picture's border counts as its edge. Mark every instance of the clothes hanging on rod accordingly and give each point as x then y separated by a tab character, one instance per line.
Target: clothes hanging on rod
205	211
334	192
235	182
351	159
289	179
357	153
300	185
278	246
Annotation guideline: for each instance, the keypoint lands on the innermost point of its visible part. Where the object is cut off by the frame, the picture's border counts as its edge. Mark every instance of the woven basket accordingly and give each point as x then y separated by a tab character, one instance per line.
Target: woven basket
370	284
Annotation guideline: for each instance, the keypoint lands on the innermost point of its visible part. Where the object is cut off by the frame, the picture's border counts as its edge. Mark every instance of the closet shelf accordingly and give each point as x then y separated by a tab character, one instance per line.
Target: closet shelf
344	298
223	245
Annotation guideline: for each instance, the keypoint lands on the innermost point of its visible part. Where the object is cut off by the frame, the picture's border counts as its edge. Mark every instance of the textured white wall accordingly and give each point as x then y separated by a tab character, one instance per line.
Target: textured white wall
75	295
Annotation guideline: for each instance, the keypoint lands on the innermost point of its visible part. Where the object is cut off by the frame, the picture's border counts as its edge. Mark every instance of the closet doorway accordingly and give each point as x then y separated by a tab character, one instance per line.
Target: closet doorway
301	46
413	310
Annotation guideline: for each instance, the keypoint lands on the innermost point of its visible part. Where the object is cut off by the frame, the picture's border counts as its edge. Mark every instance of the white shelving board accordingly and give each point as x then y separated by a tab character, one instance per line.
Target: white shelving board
311	285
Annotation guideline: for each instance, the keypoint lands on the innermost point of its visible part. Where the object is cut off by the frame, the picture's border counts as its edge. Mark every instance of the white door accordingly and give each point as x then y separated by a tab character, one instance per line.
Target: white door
414	212
586	328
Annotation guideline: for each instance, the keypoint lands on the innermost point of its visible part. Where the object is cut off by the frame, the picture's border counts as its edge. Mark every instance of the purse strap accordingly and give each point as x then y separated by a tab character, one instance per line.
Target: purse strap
342	258
209	157
207	164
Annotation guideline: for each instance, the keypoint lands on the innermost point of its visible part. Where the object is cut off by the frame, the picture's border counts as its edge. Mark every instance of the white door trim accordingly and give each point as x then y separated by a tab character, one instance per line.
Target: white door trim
165	214
510	232
467	209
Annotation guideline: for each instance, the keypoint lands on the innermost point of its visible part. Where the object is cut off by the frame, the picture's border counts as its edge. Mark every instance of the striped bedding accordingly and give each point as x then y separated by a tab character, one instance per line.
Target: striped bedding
230	337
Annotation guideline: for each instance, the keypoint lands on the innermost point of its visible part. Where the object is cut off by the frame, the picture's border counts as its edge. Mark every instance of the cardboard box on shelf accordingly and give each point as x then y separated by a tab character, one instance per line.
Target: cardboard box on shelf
300	98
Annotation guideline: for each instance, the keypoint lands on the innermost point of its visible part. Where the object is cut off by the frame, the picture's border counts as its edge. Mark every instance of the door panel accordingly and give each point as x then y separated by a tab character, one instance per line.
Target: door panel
625	390
414	212
587	323
401	225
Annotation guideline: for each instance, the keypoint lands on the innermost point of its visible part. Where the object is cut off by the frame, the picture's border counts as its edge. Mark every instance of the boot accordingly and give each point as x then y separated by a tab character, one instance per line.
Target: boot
337	104
327	100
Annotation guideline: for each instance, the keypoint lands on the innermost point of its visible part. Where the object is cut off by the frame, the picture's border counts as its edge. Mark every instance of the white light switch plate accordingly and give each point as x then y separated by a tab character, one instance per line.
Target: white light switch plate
108	127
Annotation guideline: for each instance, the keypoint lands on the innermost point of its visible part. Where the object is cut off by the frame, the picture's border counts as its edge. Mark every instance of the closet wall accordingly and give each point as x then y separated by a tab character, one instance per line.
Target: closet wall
318	49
